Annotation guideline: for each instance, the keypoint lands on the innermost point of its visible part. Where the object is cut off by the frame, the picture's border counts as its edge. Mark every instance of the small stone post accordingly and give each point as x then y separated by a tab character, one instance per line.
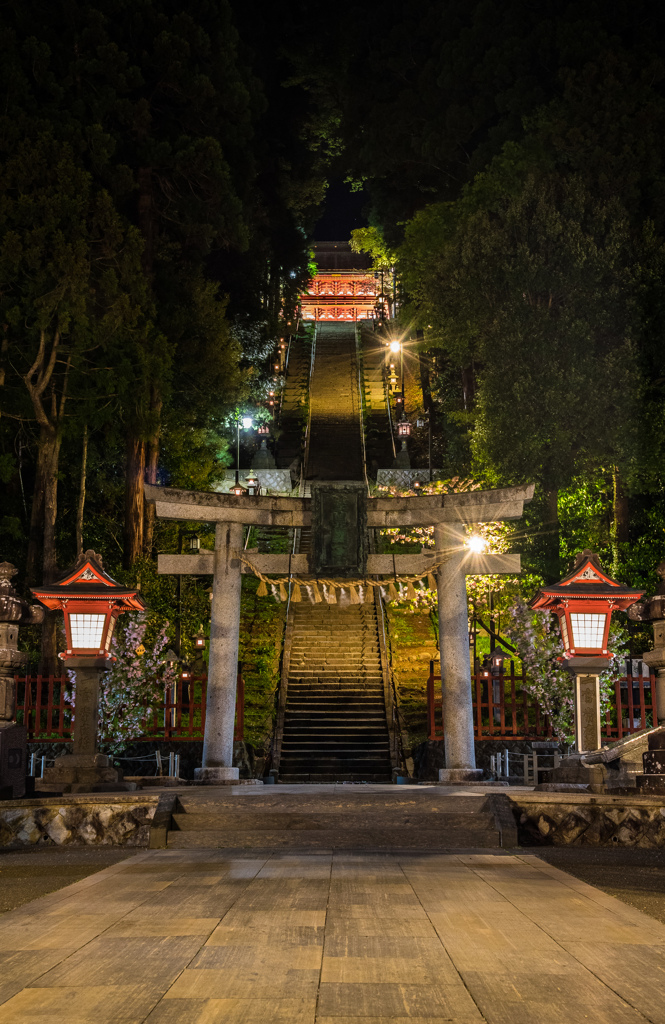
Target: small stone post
454	650
223	661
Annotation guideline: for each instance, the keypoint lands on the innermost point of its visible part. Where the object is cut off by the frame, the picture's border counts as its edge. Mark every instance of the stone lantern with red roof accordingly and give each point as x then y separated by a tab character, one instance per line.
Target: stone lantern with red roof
91	602
584	601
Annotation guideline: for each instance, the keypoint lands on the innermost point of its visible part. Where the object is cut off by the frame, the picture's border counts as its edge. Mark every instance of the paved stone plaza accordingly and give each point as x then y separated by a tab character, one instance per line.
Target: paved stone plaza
237	937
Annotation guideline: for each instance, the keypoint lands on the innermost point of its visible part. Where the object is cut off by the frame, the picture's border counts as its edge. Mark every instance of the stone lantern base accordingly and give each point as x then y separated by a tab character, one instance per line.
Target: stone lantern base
83	773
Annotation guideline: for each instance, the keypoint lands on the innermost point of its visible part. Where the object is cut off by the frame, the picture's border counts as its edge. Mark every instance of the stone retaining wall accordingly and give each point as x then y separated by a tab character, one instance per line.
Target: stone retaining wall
77	821
559	819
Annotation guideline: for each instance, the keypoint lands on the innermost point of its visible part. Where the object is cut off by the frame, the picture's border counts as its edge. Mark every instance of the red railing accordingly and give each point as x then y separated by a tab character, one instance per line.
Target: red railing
503	709
43	706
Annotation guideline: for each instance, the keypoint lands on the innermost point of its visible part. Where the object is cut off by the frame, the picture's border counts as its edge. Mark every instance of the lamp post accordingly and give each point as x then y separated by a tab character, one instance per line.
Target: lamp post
246	422
91	602
584	601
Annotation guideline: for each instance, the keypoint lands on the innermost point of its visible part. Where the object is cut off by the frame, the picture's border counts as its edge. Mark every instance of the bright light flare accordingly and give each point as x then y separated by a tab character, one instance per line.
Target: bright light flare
247	422
476	543
395	346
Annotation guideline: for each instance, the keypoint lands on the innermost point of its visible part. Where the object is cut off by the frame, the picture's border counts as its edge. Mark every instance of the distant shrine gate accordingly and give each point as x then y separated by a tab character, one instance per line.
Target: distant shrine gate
339	515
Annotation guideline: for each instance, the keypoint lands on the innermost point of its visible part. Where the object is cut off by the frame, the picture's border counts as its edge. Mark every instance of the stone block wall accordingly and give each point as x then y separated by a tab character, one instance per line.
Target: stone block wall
77	821
559	819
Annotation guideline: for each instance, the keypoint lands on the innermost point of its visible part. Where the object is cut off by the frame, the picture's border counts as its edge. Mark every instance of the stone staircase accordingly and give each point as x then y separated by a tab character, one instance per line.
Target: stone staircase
358	818
333	719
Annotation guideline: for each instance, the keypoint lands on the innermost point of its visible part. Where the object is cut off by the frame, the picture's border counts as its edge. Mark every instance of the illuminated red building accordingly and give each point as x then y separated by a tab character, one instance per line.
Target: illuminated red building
344	287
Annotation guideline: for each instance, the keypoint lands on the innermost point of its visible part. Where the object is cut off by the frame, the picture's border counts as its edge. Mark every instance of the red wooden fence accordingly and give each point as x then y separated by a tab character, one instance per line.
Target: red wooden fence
502	708
43	706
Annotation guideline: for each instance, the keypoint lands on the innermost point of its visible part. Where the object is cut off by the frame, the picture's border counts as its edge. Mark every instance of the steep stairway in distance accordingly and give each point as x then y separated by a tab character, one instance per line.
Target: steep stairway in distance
358	818
334	725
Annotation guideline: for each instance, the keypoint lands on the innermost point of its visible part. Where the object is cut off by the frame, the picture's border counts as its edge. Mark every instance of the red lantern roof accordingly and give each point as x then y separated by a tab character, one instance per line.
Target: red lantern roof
90	582
584	601
587	581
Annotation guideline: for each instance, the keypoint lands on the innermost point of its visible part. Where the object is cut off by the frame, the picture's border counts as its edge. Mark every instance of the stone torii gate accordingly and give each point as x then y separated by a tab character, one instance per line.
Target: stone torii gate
339	515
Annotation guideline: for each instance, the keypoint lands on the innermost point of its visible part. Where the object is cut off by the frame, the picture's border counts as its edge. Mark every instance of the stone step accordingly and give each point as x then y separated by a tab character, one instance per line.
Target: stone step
388	838
431	800
275	820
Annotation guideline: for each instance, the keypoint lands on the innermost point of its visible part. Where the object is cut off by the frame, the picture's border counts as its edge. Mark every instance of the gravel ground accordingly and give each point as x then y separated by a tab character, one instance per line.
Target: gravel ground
636	877
28	874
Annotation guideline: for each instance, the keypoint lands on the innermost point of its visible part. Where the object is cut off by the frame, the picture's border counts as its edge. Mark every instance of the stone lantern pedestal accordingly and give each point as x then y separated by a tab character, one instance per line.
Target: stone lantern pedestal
85	770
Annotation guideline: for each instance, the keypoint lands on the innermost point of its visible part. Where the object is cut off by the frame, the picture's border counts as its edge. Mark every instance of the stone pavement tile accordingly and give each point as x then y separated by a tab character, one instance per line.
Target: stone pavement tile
397	1020
635	973
199	902
233	1011
22	968
164	924
267	925
129	961
379	909
366	923
566	998
341	943
101	1004
243	983
381	969
476	927
396	1000
286	866
377	900
284	894
259	957
571	921
67	930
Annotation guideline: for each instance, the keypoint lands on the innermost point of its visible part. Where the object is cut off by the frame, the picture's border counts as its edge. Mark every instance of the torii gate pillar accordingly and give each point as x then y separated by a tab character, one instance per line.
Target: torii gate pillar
217	763
454	648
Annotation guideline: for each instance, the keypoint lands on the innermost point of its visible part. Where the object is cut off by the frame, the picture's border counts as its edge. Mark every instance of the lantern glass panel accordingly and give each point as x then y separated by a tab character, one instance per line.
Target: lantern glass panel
86	630
588	629
564	632
109	634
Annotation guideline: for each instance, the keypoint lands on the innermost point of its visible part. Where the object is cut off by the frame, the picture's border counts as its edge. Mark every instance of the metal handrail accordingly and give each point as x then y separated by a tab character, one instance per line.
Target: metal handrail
361	396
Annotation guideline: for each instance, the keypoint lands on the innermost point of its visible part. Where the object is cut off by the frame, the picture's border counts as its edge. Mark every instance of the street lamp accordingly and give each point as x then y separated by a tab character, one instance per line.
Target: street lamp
247	423
91	602
584	601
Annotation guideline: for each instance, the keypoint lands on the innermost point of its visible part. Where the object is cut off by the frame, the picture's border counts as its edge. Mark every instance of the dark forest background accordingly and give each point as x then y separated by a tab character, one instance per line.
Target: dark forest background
162	171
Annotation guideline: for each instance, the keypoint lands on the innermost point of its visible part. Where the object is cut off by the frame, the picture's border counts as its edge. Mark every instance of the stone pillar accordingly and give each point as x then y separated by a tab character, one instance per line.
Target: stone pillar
86	711
85	770
587	713
223	662
454	650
